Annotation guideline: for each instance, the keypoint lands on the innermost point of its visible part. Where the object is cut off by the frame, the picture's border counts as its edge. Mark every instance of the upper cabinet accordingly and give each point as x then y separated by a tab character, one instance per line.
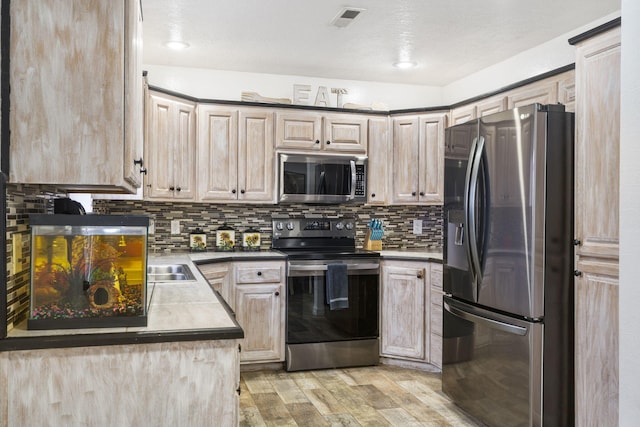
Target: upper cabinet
313	131
378	168
418	159
76	105
235	154
170	147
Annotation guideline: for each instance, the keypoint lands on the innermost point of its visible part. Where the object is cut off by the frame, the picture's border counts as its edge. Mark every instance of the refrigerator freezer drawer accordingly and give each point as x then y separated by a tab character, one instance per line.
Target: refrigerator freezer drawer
492	365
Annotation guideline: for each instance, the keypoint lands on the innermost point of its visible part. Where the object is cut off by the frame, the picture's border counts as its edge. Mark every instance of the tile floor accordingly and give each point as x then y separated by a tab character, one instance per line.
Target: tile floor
370	396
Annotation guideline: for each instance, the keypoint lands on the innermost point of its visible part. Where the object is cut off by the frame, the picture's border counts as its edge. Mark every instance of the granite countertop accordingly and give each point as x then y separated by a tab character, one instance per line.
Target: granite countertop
412	255
178	311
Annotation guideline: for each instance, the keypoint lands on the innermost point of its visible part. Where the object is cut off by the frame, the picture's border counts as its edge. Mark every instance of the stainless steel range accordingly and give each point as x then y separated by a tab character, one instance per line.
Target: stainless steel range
332	294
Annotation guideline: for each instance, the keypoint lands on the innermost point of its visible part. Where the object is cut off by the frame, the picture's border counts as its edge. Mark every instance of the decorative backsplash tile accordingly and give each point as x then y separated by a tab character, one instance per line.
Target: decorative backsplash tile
22	200
398	221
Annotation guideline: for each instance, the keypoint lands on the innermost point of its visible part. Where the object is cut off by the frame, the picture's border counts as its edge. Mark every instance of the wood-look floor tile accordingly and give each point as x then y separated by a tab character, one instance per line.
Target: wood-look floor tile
257	382
324	401
289	391
371	396
399	417
273	410
342	420
305	414
250	417
376	398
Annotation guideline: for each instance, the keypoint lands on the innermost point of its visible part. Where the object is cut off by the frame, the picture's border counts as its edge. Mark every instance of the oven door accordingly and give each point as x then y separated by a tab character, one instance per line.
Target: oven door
310	318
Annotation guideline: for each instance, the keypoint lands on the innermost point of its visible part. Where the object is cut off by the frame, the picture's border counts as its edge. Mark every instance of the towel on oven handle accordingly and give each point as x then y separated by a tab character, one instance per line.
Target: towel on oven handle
337	283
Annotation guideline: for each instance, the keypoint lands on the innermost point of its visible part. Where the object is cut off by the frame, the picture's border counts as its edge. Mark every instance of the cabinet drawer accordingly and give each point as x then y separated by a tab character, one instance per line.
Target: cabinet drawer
436	276
259	273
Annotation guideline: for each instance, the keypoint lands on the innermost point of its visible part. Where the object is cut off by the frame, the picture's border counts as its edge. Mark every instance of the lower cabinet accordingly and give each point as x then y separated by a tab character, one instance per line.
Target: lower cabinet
260	309
411	311
217	274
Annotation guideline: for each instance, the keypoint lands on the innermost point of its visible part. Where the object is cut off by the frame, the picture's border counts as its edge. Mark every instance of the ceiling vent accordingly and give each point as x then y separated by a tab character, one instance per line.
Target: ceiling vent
346	16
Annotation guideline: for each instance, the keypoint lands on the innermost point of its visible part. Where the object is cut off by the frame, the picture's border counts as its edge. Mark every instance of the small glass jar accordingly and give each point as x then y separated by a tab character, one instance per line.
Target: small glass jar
225	238
251	239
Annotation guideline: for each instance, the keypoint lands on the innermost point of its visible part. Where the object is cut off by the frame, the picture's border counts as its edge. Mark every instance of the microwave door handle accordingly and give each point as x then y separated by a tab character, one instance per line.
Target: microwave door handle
353	180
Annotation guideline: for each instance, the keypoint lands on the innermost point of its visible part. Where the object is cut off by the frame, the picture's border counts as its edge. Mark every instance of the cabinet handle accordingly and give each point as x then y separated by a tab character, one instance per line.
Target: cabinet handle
419	276
277	294
138	162
373	194
178	189
172	188
143	171
577	273
413	193
233	191
259	273
238	390
317	141
328	142
422	193
241	191
576	242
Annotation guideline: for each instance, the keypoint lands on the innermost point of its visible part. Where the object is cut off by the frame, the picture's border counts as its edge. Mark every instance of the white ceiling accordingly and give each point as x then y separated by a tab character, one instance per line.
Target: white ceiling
449	39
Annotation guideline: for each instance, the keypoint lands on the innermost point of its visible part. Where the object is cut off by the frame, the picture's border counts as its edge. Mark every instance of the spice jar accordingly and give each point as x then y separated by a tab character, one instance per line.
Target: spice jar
225	238
251	239
198	240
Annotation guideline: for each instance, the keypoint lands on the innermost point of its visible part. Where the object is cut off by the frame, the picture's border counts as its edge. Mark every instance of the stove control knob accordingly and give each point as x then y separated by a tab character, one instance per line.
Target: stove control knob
279	226
290	226
349	226
339	226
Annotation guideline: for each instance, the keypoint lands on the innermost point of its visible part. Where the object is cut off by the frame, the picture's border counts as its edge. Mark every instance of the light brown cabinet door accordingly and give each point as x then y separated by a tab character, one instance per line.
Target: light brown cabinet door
542	92
463	114
260	313
491	105
219	278
75	107
170	147
597	157
217	153
256	161
406	155
301	131
404	325
431	172
345	133
379	156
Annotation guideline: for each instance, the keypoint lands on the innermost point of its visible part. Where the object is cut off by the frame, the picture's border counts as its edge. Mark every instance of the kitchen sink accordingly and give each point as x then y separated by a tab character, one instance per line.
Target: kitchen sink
171	272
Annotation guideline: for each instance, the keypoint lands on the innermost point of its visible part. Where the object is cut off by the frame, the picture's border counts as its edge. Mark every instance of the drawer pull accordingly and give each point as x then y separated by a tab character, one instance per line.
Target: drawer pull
277	293
259	273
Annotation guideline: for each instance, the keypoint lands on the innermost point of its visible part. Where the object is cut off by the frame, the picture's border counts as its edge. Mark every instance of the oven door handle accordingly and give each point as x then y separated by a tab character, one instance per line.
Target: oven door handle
323	267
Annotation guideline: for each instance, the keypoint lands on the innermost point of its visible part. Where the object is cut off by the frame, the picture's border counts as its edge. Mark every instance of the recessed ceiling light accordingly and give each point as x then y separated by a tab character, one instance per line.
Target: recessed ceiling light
405	64
176	45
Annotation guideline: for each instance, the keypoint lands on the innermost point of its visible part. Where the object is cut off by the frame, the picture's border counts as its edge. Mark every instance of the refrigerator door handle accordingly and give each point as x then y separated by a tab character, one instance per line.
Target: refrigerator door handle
472	229
467	219
492	323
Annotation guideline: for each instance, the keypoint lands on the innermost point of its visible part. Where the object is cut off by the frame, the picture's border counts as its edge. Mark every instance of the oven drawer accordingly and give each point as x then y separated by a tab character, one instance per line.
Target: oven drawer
259	272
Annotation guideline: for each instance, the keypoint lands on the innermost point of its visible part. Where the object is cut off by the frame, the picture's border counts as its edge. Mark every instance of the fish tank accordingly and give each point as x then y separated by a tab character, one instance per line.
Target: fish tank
88	271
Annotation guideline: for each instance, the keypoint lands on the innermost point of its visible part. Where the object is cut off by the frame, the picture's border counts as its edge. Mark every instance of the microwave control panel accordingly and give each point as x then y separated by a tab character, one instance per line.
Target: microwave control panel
360	190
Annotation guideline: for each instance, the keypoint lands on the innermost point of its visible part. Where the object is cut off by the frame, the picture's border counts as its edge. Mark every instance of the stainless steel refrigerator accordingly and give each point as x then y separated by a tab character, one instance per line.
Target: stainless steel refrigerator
507	355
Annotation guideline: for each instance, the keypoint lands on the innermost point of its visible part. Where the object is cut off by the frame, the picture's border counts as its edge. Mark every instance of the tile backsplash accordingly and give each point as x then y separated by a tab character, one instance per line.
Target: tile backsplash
398	221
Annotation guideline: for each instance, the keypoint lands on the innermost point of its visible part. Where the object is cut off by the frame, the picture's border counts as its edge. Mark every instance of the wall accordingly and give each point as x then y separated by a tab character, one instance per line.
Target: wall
548	56
398	221
229	85
629	210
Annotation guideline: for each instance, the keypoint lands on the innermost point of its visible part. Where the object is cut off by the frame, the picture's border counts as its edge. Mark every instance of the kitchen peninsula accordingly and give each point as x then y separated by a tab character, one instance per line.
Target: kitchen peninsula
112	376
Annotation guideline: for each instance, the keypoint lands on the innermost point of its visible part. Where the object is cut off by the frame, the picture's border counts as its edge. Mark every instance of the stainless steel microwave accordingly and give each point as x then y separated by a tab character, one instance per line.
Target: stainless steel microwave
322	178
